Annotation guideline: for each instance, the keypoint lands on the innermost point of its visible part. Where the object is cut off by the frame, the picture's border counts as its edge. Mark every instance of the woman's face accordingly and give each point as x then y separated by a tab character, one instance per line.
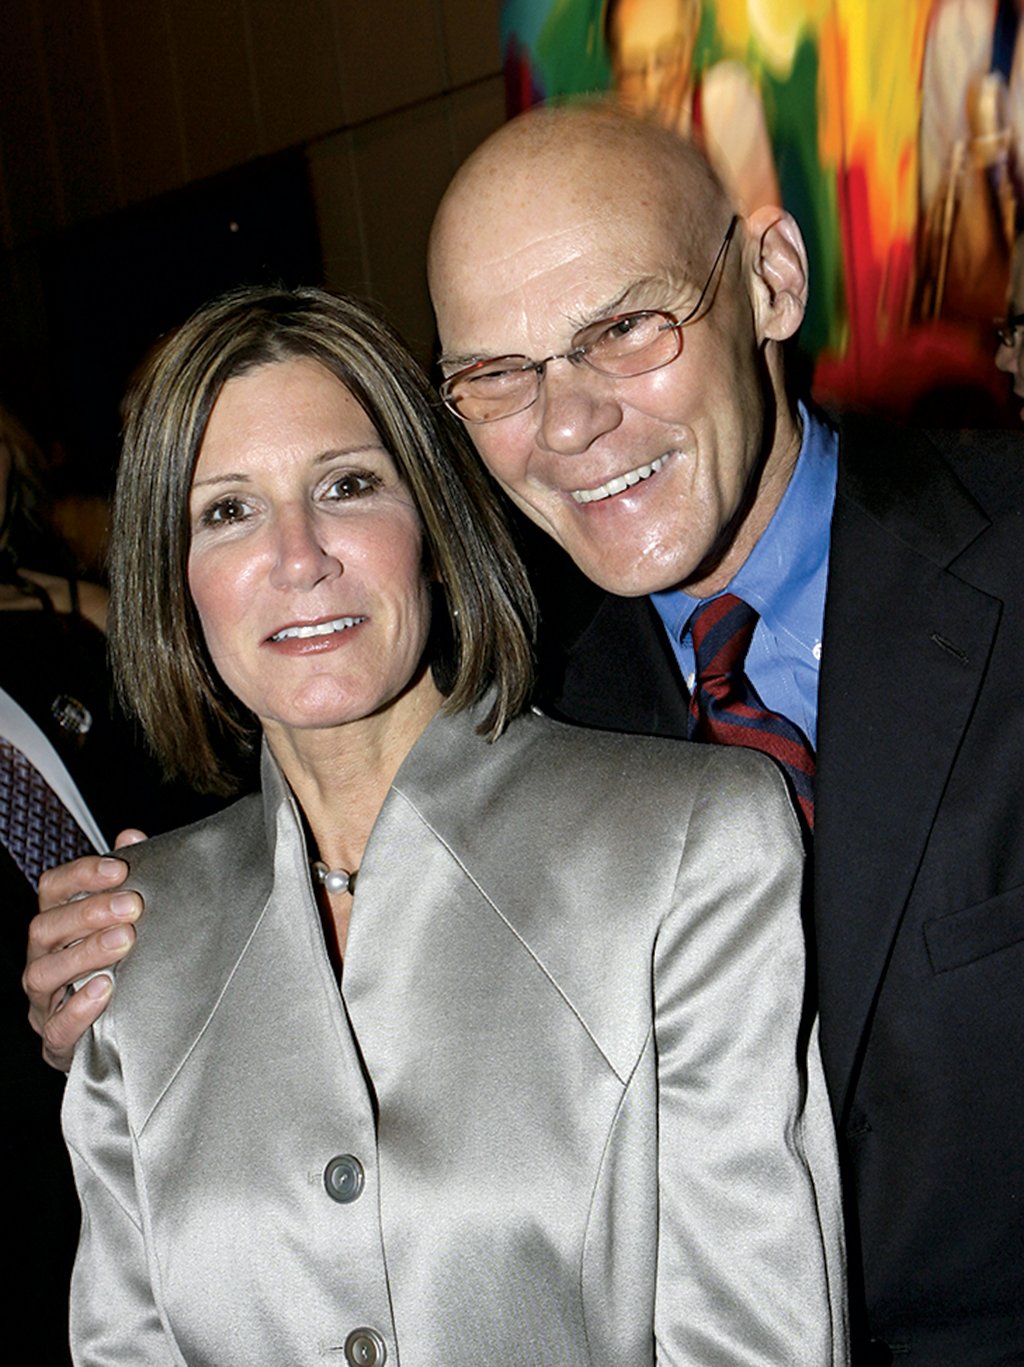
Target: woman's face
306	557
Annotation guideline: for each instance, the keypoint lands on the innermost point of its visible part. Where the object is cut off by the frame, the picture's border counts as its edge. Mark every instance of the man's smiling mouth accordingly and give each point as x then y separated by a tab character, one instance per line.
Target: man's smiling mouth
302	633
621	482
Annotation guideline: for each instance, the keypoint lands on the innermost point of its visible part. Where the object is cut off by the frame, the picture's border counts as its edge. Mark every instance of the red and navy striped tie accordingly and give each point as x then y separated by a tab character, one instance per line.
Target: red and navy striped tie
724	706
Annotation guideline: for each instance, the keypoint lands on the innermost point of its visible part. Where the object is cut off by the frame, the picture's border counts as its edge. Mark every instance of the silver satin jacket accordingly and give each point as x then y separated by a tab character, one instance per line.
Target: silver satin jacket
560	1079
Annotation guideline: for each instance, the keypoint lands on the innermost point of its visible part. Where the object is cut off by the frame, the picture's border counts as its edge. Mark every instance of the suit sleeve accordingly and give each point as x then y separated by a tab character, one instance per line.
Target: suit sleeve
114	1317
751	1266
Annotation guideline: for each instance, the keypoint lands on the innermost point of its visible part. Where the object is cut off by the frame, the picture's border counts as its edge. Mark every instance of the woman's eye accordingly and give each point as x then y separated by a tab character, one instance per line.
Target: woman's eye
353	485
223	512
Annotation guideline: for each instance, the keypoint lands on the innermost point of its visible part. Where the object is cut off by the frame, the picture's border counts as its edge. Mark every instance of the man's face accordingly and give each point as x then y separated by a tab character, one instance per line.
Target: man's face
642	480
652	44
1010	352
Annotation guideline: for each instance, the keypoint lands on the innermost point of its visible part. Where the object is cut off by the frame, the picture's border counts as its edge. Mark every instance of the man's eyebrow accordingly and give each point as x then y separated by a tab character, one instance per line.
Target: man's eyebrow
452	362
641	289
645	288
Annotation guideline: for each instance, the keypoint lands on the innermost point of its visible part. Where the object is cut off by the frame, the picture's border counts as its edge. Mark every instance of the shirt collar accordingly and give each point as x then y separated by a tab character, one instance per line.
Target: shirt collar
784	575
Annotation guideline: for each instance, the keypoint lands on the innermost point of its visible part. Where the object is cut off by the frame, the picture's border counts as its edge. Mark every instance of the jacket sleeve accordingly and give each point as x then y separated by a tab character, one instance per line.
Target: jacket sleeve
114	1317
751	1265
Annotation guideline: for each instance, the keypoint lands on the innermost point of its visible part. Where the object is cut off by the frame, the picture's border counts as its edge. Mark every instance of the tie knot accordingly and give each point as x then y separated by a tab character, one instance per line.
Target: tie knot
721	632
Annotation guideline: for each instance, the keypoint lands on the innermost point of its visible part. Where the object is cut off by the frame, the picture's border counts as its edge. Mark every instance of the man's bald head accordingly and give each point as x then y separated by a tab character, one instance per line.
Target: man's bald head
591	157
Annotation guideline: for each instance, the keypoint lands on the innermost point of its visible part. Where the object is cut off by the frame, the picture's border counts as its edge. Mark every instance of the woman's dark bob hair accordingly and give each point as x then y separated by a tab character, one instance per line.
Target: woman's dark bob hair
484	614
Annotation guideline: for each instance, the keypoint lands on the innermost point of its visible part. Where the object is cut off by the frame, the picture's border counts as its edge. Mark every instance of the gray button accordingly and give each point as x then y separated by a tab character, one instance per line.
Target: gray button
344	1179
365	1348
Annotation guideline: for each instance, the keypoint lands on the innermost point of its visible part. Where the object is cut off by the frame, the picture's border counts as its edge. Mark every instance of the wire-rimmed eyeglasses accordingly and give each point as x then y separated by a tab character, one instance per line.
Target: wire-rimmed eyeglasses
622	346
1010	330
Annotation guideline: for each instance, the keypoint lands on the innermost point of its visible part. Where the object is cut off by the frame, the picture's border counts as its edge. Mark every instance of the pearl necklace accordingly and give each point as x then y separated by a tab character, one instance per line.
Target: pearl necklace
336	881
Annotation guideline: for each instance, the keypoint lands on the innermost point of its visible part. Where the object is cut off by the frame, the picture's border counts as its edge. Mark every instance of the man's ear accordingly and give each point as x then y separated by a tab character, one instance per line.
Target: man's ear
779	272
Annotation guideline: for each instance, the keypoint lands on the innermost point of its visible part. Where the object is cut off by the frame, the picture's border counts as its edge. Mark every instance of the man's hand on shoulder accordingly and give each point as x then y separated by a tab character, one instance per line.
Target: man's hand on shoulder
84	924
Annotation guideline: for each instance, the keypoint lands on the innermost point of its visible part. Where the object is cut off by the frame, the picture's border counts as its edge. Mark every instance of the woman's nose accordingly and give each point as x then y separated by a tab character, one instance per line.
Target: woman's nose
301	558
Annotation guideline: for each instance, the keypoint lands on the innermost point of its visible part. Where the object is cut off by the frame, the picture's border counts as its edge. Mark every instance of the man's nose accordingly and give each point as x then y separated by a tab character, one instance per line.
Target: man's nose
575	407
654	84
301	560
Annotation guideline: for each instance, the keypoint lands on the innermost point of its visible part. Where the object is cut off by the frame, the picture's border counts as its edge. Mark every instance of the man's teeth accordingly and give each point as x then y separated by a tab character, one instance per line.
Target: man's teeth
320	629
620	482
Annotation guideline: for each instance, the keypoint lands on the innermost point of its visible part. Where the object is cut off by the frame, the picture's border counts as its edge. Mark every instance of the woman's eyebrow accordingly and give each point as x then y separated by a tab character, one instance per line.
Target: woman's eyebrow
332	453
229	478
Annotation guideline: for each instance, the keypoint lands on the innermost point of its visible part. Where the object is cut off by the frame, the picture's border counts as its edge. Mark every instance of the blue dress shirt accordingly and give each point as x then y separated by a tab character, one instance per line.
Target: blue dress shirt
784	578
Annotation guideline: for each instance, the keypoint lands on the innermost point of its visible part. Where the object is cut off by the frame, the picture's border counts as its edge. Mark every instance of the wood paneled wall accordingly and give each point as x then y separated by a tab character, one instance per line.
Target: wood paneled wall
106	104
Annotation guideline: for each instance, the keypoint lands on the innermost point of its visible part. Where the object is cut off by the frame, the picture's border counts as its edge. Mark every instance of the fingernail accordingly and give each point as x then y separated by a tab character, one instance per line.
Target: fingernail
124	905
115	938
110	868
98	988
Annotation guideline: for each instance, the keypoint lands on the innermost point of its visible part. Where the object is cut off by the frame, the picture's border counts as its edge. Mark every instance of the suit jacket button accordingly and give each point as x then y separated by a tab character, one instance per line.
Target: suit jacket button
879	1354
365	1348
344	1179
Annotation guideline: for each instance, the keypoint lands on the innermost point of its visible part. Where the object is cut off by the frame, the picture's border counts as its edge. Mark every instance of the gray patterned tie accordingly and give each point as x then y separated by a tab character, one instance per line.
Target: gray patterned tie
35	826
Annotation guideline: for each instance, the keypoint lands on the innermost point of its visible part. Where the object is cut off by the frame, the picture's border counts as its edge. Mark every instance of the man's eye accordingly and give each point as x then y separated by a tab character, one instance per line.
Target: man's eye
225	511
355	484
622	327
497	373
492	382
634	329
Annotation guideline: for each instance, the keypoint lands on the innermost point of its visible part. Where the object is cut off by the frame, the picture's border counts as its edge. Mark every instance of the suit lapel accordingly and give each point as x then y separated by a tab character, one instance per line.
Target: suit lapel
472	827
189	904
906	644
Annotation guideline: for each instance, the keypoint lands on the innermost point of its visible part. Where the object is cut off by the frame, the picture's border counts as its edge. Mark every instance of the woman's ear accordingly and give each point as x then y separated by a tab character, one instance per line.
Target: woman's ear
778	260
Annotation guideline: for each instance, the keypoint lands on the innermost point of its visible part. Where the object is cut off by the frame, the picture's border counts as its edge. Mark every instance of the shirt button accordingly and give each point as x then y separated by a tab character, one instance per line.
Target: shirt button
365	1348
344	1179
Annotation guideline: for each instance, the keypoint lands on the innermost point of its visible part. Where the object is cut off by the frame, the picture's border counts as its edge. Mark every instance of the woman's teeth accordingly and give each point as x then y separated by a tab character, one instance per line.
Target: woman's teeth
319	629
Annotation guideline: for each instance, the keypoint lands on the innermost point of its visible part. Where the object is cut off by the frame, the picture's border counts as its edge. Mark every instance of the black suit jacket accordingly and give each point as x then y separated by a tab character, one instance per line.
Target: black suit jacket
43	655
918	868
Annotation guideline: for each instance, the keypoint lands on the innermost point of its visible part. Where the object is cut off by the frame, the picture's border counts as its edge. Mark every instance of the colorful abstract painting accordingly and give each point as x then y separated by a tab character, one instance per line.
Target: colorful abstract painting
894	133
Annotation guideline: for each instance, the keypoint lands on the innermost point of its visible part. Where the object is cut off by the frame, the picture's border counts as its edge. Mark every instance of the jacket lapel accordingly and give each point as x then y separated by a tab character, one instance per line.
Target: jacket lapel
906	645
